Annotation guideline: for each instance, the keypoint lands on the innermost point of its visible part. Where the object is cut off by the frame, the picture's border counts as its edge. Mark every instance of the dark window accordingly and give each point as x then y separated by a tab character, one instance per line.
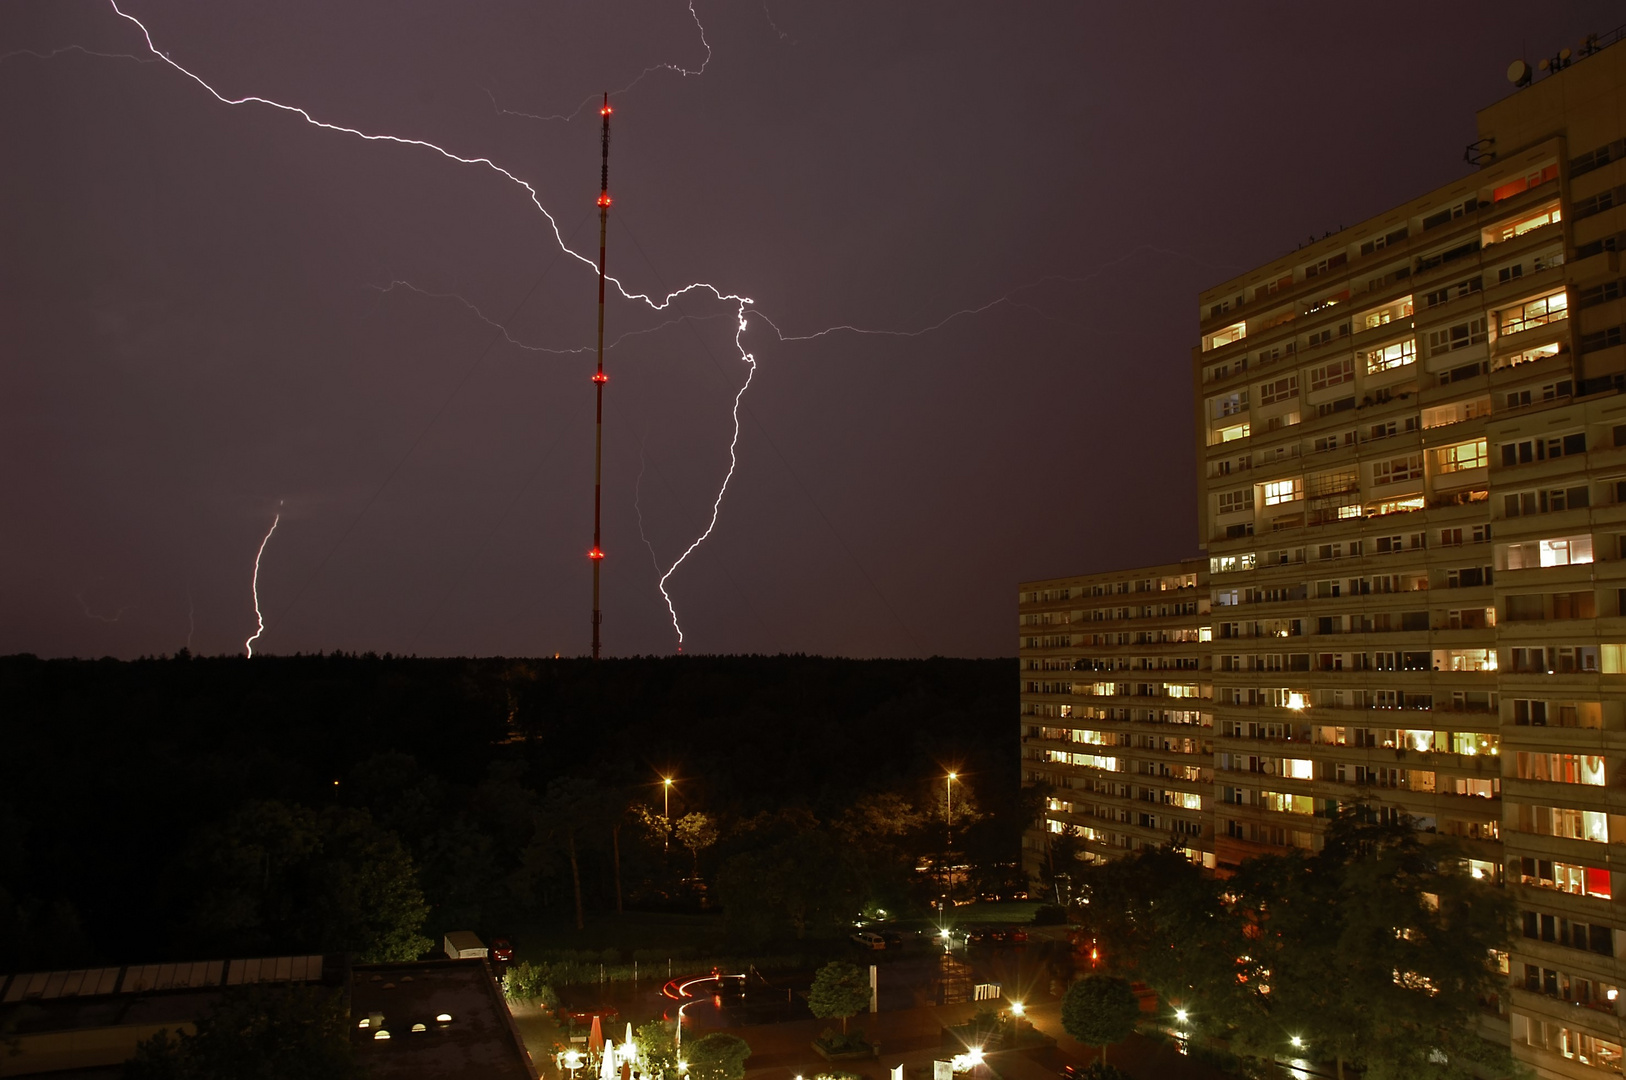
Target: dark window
1601	339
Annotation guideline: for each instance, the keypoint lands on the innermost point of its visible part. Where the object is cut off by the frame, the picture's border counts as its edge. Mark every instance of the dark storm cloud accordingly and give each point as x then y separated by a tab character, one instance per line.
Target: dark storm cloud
198	323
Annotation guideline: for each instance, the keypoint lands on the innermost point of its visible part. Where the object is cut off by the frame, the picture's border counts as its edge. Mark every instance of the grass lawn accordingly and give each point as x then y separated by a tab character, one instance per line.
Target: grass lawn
1004	911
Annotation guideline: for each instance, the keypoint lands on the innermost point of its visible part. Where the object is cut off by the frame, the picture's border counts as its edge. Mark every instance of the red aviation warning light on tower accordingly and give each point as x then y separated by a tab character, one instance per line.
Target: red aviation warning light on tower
599	378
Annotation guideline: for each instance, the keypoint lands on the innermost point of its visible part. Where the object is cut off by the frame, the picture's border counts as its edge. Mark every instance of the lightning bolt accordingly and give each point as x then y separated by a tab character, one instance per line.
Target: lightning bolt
248	646
518	344
89	614
743	306
593	98
733	463
741	303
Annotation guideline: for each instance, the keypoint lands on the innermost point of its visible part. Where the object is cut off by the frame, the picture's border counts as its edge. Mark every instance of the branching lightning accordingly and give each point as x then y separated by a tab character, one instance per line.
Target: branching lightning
742	306
248	646
741	303
518	344
733	463
592	98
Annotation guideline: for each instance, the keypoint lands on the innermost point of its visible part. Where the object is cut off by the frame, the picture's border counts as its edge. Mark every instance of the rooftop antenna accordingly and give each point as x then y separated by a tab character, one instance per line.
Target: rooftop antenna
599	378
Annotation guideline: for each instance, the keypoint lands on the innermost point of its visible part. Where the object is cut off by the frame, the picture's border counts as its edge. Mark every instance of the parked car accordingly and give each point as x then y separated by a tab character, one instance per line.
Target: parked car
1018	936
978	935
501	950
865	939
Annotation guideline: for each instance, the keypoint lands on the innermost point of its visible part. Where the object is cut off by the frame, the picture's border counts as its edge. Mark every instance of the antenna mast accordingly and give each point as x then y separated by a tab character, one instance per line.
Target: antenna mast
599	378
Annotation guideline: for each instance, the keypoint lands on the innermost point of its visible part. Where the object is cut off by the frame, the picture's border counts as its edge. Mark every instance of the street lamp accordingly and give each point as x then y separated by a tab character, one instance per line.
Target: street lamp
948	807
666	811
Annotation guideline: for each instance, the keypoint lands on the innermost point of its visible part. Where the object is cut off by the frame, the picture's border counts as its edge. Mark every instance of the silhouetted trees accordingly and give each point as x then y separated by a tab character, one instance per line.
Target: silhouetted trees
499	788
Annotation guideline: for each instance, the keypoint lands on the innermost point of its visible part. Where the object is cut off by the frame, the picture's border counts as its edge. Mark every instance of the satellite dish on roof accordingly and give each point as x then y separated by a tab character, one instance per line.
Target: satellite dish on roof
1518	73
1564	54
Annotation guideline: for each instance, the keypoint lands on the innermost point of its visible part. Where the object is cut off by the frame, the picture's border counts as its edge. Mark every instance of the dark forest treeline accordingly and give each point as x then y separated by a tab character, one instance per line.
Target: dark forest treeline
136	796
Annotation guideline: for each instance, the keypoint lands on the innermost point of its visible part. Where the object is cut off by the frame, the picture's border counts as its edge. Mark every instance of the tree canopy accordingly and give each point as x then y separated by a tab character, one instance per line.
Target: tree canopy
1376	951
839	991
281	875
717	1056
1100	1010
258	1034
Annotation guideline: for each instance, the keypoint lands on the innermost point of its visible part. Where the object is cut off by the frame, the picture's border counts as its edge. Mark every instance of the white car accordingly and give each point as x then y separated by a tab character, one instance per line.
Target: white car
867	940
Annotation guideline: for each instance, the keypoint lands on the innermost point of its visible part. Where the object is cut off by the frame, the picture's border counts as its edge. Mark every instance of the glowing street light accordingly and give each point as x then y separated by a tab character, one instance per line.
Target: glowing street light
1180	1015
1017	1009
1298	1043
948	807
666	811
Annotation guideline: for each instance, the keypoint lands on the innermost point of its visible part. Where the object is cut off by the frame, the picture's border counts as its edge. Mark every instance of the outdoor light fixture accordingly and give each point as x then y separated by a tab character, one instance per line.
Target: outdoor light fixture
1295	701
381	1034
1180	1015
1298	1043
1016	1008
444	1018
974	1055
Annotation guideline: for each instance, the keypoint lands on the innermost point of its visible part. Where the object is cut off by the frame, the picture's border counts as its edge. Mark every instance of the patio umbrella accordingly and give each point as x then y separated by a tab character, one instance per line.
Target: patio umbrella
607	1069
595	1037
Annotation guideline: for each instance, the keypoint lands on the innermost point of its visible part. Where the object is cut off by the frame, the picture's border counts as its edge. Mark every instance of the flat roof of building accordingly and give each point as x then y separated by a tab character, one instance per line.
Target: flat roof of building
1193	565
477	1041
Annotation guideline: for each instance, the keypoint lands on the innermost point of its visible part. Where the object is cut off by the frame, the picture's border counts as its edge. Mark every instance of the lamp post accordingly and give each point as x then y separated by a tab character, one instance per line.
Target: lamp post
666	811
948	808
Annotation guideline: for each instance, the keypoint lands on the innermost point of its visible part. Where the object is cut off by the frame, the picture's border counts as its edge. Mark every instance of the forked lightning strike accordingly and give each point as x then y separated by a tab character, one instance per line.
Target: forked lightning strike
743	305
248	646
590	98
507	336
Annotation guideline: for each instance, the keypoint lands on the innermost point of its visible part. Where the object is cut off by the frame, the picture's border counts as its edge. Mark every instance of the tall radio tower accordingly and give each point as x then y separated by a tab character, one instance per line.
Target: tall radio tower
599	378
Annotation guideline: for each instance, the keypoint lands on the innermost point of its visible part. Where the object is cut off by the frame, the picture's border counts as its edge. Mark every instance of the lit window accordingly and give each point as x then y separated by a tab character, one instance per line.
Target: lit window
1234	332
1396	506
1389	357
1538	312
1567	551
1468	455
1283	491
1231	434
1547	215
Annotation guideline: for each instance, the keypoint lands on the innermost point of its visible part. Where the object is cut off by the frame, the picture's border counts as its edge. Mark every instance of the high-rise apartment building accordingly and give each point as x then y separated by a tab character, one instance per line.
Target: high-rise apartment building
1412	492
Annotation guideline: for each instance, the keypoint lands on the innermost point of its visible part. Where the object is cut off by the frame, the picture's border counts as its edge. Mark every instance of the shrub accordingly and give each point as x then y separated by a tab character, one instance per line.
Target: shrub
718	1056
526	981
838	1042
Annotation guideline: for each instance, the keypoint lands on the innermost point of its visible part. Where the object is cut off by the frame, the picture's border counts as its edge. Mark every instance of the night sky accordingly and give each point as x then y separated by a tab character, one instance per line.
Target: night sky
199	320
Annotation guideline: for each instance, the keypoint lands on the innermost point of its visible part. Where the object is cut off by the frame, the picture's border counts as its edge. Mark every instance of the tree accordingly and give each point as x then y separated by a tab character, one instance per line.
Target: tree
697	832
1100	1010
260	1034
839	990
787	875
1159	918
282	876
718	1056
656	1050
572	805
1379	950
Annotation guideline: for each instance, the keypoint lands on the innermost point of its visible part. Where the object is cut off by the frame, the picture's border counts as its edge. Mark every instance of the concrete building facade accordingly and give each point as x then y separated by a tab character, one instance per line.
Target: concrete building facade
1412	493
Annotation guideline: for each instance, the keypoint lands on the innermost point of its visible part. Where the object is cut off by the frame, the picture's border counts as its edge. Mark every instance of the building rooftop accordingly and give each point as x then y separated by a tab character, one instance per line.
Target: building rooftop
476	1041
